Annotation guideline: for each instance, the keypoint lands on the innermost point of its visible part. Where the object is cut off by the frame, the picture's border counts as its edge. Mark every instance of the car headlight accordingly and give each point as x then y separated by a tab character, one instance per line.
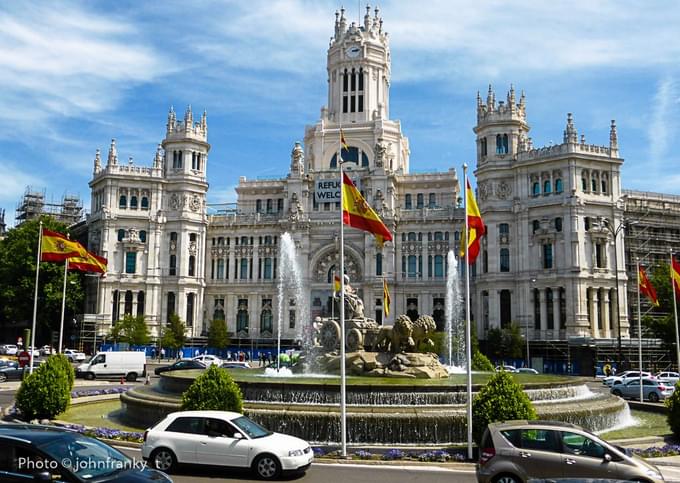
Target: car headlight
653	474
296	452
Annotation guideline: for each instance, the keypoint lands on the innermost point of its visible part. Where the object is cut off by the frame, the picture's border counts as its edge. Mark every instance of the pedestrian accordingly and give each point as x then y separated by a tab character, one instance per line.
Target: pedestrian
162	353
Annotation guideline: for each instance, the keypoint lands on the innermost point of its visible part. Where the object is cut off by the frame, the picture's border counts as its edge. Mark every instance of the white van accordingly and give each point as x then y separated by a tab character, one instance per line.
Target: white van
128	364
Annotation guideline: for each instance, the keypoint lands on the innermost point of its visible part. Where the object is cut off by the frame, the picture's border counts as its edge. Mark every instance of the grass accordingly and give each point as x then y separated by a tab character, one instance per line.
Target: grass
106	414
650	424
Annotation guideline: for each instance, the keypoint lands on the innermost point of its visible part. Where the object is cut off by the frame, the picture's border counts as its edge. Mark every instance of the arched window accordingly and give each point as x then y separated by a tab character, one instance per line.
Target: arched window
593	184
505	144
218	313
419	200
266	319
558	185
192	265
128	303
505	260
121	234
536	189
438	236
499	144
412	236
122	203
145	203
140	303
604	186
171	304
546	187
242	319
142	236
584	184
190	309
133	202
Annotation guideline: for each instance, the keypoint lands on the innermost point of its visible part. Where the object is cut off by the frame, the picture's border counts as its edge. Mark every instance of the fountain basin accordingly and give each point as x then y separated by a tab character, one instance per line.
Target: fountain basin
398	414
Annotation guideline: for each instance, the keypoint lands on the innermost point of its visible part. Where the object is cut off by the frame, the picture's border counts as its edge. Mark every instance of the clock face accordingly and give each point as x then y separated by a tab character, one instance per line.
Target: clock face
353	52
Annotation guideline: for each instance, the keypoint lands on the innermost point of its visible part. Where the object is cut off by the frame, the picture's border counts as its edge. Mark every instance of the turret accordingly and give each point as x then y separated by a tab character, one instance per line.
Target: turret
97	162
158	159
113	154
613	140
297	157
570	134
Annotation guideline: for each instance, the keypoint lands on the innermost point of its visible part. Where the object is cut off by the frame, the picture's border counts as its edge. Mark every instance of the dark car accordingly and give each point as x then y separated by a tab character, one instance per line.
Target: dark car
44	453
180	365
10	370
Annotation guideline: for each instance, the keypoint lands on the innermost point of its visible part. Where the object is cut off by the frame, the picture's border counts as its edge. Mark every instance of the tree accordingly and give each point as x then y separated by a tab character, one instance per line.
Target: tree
213	390
505	343
217	334
47	392
18	251
132	330
661	322
174	334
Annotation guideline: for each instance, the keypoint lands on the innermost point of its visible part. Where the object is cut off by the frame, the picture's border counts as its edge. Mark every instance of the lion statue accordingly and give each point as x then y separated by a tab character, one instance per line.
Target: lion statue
422	328
397	338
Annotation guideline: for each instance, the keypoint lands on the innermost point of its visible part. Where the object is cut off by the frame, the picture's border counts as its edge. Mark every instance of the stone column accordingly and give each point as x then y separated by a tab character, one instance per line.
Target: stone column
596	311
544	313
606	322
592	312
556	308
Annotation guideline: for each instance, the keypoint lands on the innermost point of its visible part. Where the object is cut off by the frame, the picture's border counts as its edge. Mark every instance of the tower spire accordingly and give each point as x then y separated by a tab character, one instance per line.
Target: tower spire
570	133
97	162
613	137
113	154
158	159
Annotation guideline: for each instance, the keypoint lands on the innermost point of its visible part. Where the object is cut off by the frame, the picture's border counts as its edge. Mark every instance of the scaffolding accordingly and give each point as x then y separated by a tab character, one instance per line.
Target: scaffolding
68	210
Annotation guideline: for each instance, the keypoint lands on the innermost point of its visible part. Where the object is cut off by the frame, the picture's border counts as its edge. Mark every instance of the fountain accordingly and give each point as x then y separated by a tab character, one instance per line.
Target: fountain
455	327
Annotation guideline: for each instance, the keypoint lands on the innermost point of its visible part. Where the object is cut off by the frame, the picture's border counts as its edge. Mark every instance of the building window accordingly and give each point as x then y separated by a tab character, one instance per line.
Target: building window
438	266
438	236
586	223
133	202
258	206
142	236
279	205
412	267
499	144
378	264
115	309
536	189
173	236
171	304
270	206
504	229
546	187
412	236
535	225
506	308
291	319
122	203
192	265
537	309
485	261
505	259
220	268
267	268
218	313
242	316
145	203
506	147
547	256
407	202
604	186
121	234
593	184
173	265
419	200
130	262
484	147
243	270
563	309
558	186
549	308
190	309
584	184
140	303
558	224
266	318
127	309
599	255
432	202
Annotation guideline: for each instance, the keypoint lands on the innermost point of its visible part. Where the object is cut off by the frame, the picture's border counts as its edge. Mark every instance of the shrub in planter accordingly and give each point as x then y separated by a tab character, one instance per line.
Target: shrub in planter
481	363
213	390
673	417
501	399
47	392
62	361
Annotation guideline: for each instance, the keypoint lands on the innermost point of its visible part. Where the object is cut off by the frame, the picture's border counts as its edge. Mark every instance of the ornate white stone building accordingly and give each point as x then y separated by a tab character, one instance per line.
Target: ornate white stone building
549	262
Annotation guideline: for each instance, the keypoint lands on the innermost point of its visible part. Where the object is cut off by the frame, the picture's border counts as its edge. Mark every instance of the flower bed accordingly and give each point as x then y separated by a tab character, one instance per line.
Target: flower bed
76	393
438	455
105	433
658	451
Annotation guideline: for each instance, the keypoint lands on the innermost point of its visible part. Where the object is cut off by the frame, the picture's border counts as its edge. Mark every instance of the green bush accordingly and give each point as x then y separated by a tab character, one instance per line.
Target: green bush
62	361
481	363
501	399
673	417
47	392
213	390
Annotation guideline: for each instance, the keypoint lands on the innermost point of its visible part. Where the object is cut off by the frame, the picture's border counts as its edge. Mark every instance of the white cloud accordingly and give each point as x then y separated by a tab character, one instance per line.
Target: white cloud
13	181
663	123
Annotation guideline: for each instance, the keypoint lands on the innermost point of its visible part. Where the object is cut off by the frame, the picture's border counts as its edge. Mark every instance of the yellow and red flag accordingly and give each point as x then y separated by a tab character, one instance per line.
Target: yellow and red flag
336	284
89	263
646	288
345	146
675	275
357	213
56	247
476	228
387	301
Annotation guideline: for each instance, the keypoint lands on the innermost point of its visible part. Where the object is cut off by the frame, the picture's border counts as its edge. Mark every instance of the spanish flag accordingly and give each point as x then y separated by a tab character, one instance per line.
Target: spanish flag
55	247
387	301
646	287
345	146
336	284
476	228
89	263
675	275
357	213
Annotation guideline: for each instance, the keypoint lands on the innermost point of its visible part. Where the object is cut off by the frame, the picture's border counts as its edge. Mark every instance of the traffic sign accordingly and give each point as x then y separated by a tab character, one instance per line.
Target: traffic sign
24	358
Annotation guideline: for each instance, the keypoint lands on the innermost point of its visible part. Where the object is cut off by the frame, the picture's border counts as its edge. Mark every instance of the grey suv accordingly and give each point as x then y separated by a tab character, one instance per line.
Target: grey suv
516	451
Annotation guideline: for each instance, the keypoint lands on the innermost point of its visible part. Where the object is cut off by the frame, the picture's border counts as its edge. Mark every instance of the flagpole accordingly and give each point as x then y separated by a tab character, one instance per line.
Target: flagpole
637	263
675	311
35	296
63	308
468	354
343	404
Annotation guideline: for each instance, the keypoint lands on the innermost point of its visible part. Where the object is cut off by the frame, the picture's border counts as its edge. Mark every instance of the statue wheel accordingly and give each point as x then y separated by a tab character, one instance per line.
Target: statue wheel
354	340
330	335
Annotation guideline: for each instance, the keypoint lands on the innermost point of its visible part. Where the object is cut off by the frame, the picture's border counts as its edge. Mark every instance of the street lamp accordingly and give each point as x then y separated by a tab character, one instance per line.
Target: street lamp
615	233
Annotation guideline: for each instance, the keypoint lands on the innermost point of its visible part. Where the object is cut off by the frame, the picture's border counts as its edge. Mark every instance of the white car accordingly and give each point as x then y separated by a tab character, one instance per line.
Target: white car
506	368
624	377
208	360
223	438
10	349
672	377
74	356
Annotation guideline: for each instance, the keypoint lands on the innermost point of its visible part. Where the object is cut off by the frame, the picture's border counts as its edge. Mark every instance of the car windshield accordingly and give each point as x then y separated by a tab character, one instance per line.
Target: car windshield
251	428
86	457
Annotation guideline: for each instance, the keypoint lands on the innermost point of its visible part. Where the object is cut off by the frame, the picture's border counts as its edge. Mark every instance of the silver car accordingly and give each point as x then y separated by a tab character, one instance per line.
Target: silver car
518	451
654	390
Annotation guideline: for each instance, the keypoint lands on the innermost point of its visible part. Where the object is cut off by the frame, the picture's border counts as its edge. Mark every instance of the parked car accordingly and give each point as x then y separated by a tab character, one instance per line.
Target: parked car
182	364
517	451
74	356
526	370
672	377
46	454
625	377
11	371
223	438
47	350
236	365
208	360
653	389
128	364
9	349
506	368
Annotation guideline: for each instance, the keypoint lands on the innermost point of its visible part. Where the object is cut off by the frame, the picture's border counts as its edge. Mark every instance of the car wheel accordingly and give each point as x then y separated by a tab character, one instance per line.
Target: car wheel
653	397
616	392
89	376
267	466
163	459
507	479
132	377
3	377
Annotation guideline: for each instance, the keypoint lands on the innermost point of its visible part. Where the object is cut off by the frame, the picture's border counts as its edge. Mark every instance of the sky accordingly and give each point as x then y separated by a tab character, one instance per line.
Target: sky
76	74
